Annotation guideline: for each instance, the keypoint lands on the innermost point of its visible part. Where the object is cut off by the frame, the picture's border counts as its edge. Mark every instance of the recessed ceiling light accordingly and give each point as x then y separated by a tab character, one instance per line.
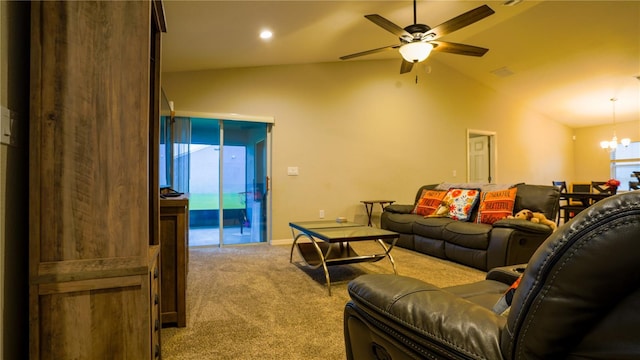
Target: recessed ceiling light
266	34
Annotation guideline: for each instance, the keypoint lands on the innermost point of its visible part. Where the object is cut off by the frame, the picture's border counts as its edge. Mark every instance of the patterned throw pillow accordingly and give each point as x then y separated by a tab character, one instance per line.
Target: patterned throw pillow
496	205
461	203
429	202
503	305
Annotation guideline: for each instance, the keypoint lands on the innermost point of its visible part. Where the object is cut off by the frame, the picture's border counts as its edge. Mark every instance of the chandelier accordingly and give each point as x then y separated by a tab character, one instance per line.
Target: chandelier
612	144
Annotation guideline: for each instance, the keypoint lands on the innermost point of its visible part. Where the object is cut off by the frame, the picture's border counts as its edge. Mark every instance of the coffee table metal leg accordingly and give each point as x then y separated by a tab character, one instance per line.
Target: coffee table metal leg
321	256
295	239
387	252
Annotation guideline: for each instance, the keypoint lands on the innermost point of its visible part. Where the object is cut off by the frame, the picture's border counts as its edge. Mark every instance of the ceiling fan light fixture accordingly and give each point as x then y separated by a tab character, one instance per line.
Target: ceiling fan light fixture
415	52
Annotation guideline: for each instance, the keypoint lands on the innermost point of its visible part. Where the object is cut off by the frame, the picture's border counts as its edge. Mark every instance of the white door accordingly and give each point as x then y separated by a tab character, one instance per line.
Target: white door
479	159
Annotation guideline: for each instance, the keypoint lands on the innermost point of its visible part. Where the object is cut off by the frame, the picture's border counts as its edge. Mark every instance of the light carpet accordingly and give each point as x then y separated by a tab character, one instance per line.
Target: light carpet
249	302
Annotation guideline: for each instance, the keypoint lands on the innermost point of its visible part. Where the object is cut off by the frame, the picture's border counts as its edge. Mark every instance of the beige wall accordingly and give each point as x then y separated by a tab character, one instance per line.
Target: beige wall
359	130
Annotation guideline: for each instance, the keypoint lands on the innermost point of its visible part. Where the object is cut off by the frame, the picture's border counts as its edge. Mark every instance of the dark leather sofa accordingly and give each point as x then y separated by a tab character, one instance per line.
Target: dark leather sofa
482	246
579	298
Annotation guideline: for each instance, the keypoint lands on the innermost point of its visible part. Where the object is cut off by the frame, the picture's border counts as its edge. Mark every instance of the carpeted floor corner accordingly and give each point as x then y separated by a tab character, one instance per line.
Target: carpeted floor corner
249	302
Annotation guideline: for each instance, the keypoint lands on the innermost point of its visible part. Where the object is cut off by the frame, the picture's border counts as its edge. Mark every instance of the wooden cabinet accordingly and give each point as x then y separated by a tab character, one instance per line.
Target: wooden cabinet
91	208
174	241
154	298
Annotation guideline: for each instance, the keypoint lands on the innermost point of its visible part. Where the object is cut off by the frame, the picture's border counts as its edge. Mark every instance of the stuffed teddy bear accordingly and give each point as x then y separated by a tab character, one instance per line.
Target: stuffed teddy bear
535	217
442	210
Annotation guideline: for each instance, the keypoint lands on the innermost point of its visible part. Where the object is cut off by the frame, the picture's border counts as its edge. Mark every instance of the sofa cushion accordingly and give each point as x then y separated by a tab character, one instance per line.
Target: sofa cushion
463	255
484	293
405	241
401	223
496	205
430	227
468	235
429	246
461	202
538	198
429	202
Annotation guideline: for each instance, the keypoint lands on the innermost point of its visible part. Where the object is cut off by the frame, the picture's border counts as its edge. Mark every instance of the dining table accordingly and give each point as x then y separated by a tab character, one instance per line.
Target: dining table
584	199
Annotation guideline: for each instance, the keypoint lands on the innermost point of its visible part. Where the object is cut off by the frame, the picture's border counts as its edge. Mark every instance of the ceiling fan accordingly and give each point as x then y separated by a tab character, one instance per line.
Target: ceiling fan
418	40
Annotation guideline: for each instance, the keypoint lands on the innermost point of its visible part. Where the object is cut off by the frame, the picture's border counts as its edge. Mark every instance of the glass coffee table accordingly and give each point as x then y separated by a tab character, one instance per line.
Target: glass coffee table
328	244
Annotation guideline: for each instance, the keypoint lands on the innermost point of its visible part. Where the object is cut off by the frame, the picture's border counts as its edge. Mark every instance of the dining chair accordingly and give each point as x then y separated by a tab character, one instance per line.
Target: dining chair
634	185
562	201
580	187
573	206
600	187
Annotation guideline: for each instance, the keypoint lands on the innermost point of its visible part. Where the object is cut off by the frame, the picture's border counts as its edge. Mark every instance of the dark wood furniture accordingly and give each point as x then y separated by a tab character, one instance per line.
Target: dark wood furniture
564	209
602	187
585	199
174	240
635	185
569	207
93	198
368	206
154	299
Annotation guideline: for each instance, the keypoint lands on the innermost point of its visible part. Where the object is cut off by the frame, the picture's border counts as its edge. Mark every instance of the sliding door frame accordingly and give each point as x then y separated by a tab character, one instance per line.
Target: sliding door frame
222	117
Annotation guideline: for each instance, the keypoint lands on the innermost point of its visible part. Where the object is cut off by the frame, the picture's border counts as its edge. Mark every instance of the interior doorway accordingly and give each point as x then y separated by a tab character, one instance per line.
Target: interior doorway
481	156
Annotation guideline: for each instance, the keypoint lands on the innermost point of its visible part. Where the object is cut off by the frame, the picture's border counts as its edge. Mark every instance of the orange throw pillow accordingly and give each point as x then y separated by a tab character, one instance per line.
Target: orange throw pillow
496	205
429	202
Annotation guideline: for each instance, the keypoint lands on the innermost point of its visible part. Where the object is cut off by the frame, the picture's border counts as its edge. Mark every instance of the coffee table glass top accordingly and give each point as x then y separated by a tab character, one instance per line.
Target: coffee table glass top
332	231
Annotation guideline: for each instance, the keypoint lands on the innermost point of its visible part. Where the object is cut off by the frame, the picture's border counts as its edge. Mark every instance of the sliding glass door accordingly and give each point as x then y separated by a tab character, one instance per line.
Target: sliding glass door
244	214
226	179
204	182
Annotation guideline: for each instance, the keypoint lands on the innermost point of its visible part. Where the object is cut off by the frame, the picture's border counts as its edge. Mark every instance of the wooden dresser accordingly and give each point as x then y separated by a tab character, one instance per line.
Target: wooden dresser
93	197
174	240
154	299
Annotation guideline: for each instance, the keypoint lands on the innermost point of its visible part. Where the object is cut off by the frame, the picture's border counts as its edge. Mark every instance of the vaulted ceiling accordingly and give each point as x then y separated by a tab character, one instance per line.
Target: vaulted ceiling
565	59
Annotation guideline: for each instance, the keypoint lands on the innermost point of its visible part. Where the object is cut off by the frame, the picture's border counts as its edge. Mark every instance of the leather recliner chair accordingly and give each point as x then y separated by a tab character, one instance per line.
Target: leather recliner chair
579	298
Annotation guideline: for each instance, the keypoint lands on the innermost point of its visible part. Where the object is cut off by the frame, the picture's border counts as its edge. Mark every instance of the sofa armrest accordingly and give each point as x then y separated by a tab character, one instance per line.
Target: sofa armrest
506	274
523	225
513	241
399	208
431	319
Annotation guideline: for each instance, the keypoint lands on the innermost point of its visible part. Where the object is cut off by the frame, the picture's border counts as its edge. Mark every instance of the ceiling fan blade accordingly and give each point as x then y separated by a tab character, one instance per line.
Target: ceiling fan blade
459	22
460	49
369	52
388	25
406	66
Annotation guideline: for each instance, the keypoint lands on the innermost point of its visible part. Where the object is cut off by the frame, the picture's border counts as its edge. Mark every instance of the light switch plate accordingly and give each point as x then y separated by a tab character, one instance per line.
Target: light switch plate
8	127
5	125
292	171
